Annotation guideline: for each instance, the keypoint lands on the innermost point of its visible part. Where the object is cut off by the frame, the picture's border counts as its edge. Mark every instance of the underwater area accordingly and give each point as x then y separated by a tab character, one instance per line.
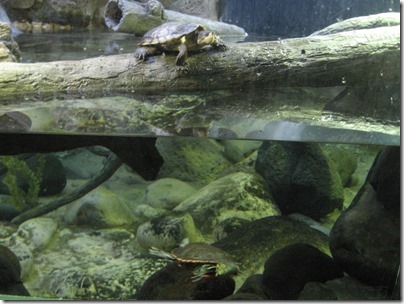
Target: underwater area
262	166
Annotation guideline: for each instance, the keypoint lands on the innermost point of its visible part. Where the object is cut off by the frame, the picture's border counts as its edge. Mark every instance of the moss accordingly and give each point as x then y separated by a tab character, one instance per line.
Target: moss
18	169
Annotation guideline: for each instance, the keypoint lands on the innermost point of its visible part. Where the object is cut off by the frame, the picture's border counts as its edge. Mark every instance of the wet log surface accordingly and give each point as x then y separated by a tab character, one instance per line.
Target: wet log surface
347	58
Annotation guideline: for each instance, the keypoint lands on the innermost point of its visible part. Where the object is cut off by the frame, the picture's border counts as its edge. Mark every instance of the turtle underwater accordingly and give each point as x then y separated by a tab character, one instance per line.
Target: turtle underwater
177	37
207	259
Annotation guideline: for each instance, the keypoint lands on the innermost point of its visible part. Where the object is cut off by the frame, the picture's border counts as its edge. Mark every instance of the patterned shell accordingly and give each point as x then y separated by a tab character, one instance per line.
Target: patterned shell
200	253
169	32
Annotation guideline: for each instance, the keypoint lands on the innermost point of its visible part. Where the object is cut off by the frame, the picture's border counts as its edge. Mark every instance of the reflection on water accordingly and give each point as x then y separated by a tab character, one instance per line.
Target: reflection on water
295	114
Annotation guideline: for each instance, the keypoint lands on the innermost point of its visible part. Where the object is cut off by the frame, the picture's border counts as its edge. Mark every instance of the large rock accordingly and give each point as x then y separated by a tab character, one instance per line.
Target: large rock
166	232
341	289
300	177
100	208
167	193
9	49
254	243
10	271
174	283
289	269
365	240
202	8
191	159
237	195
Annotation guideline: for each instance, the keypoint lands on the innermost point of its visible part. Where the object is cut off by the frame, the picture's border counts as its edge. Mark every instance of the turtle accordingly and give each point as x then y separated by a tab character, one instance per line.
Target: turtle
206	259
177	37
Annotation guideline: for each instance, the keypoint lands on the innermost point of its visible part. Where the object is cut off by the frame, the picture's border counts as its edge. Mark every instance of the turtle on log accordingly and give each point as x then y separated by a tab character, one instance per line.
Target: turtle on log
206	259
177	37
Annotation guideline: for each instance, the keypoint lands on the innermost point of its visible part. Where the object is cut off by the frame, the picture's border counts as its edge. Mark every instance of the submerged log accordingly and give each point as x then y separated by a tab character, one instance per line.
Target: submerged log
366	56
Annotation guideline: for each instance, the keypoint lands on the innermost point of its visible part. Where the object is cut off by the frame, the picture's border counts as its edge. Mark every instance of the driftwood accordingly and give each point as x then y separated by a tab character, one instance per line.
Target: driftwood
138	18
366	56
113	164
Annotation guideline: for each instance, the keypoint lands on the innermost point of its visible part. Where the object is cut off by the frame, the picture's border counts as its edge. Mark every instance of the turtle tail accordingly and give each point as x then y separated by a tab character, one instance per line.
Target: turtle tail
160	253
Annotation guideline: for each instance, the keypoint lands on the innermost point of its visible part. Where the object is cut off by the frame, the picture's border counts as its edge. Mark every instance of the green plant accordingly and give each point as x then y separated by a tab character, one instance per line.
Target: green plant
18	169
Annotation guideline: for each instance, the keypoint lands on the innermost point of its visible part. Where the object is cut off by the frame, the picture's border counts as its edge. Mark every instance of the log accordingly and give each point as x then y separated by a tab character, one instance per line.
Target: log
138	18
358	57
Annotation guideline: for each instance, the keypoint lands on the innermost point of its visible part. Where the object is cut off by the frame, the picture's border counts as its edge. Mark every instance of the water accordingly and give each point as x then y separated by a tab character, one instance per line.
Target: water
4	18
190	164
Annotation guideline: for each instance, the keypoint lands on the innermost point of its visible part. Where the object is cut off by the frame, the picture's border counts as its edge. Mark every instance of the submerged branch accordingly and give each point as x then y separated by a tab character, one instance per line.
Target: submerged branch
113	164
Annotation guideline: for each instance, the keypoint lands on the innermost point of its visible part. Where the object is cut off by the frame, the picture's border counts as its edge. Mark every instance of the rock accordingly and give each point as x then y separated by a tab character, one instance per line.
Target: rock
254	243
310	222
300	177
238	195
81	163
252	286
385	178
53	178
365	240
202	8
83	263
166	232
37	232
9	49
167	193
74	13
238	150
191	159
21	4
8	212
241	296
100	208
146	211
174	283
290	268
24	254
341	289
227	226
345	162
10	271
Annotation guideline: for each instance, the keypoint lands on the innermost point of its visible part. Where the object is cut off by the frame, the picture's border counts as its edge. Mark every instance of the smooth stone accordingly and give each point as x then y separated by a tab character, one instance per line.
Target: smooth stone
254	243
37	232
385	178
197	160
167	193
365	240
301	178
237	150
165	232
238	195
224	228
345	161
289	269
100	208
81	163
10	271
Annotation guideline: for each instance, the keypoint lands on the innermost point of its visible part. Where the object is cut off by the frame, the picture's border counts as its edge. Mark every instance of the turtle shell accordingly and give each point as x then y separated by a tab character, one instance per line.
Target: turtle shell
199	252
170	32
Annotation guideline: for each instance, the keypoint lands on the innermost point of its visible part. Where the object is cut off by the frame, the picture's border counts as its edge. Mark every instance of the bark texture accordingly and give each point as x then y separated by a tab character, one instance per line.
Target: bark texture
367	56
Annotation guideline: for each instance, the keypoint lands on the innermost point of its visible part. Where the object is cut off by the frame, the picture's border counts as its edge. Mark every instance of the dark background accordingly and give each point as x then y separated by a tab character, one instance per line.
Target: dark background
297	18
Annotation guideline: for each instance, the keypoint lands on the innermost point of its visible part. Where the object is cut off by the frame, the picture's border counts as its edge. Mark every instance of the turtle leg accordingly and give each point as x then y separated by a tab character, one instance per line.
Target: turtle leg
142	52
182	55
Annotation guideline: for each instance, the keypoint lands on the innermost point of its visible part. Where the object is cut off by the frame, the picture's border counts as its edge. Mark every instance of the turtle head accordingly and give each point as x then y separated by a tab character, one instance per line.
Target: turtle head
207	38
227	268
